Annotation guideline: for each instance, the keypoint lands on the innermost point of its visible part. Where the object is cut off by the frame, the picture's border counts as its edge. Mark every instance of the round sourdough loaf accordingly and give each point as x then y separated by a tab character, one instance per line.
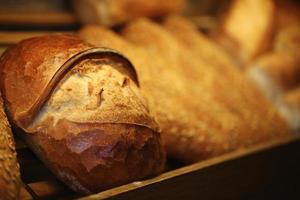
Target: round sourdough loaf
80	110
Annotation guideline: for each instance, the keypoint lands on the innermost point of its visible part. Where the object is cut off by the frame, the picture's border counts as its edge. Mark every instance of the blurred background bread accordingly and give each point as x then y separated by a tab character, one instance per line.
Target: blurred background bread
248	28
113	12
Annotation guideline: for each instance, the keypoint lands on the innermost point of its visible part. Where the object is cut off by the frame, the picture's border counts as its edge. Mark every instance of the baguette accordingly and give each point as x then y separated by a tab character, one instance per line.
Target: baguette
186	85
9	168
112	12
202	47
250	26
164	95
244	96
81	112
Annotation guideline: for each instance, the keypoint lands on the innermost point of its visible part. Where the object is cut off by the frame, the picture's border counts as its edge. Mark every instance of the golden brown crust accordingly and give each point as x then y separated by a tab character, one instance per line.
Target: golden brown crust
95	116
28	67
94	157
9	168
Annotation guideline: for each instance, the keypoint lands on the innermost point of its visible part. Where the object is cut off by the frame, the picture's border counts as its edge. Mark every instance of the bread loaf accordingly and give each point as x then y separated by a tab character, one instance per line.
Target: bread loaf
112	12
165	94
81	112
200	45
244	104
190	97
203	47
250	26
9	168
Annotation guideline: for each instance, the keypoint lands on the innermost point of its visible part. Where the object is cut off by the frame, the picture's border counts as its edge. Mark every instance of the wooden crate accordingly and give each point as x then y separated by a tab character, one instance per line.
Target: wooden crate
266	171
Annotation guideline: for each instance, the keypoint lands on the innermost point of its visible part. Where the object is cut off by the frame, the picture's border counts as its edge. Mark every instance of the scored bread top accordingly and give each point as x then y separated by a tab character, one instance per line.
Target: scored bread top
33	69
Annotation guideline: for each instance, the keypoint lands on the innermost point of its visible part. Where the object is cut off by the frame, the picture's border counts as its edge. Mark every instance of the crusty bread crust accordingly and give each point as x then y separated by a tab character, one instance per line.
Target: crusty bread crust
93	157
28	67
9	168
93	129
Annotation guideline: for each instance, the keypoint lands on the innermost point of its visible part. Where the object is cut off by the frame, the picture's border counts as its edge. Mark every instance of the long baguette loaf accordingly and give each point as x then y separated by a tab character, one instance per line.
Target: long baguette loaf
202	47
81	112
249	25
165	92
198	116
244	103
9	167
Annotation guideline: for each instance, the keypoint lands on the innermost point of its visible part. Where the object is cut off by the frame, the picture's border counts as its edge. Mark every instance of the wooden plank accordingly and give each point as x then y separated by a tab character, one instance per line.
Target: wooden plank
37	18
12	37
264	171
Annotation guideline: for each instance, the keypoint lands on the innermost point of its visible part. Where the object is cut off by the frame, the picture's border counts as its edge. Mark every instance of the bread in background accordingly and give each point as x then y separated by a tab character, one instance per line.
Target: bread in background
248	28
232	112
113	12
